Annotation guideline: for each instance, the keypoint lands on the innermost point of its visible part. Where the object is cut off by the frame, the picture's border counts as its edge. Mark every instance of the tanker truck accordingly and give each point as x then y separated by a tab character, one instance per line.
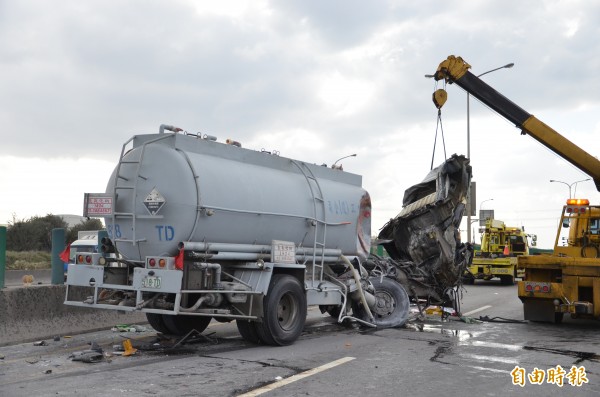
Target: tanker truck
201	230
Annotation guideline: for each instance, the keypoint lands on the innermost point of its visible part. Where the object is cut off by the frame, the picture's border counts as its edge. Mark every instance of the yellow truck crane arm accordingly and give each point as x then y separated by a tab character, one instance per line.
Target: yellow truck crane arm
456	70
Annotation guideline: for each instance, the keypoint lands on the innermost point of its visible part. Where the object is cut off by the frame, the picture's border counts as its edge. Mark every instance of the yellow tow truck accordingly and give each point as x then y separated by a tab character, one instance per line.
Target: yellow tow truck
568	281
497	256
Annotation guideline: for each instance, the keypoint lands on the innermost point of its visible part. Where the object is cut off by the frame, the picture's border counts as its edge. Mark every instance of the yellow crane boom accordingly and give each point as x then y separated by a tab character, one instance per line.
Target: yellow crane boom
456	70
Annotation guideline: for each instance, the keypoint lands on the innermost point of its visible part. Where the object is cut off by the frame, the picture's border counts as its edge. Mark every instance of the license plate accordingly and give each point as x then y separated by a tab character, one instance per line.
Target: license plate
151	282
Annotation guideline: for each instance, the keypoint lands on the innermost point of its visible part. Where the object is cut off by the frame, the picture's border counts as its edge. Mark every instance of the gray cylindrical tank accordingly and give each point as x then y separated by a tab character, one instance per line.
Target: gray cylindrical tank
182	188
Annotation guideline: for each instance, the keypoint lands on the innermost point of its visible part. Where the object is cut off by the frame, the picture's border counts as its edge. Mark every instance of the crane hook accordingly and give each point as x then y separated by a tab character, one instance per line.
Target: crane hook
439	98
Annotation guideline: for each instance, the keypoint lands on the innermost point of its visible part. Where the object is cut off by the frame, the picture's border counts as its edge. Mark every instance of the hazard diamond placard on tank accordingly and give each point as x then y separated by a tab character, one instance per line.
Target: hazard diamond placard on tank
154	201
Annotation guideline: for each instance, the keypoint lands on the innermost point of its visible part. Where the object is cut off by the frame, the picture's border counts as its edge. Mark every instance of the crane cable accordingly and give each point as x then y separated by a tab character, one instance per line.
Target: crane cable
439	125
439	98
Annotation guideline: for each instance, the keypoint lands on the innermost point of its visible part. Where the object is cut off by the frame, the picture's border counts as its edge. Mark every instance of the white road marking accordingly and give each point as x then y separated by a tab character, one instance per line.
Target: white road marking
294	378
477	310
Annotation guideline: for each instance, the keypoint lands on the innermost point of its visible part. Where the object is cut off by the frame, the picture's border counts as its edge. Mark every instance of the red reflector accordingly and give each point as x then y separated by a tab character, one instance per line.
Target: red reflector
88	259
528	287
152	262
545	288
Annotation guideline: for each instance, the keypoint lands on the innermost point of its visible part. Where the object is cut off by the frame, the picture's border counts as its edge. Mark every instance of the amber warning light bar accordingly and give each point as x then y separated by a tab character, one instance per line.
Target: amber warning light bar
577	206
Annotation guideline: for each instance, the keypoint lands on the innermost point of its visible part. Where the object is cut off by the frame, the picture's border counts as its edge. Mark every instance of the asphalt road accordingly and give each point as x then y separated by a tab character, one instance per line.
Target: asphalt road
428	357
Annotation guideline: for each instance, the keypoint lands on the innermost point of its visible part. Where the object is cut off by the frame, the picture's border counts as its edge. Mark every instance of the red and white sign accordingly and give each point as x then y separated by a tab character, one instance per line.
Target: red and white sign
97	205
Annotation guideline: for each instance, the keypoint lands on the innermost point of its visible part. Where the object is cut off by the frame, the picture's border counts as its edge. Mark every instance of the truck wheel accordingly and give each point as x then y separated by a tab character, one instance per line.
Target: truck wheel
284	311
391	304
507	280
248	331
156	322
181	325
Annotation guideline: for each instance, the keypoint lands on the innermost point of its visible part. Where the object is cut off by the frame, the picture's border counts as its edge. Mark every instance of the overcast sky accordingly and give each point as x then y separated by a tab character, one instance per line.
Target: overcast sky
315	80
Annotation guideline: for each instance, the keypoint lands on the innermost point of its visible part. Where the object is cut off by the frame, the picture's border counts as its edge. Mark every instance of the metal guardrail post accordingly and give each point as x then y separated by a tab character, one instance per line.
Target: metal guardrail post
2	255
58	245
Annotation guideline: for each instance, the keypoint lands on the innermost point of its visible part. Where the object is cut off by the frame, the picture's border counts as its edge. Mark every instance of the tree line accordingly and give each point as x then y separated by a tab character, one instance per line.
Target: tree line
35	234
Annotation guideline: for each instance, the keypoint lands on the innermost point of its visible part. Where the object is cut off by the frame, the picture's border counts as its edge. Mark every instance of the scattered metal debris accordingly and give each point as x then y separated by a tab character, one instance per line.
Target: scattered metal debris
194	337
93	355
129	328
87	356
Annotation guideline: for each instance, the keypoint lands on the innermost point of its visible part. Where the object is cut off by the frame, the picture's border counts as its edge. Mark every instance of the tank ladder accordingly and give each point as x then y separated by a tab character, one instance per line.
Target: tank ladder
133	188
319	221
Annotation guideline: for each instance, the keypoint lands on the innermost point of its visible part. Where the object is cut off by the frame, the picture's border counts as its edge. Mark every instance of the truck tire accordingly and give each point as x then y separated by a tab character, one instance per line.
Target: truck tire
248	331
181	325
156	322
391	307
507	280
284	311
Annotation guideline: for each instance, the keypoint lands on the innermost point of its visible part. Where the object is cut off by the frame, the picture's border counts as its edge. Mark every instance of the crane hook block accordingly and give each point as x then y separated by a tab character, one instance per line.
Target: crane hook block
439	98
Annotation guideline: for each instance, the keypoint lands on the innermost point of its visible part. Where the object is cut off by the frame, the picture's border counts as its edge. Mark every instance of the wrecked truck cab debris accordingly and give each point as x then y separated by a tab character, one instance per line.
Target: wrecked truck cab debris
423	240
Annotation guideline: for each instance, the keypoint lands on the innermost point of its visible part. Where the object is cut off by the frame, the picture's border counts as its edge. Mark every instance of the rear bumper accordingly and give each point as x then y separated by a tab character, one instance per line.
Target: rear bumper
93	286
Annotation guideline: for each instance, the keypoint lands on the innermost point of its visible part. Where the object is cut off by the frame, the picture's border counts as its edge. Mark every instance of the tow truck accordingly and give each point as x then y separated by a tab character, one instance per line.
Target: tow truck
497	256
568	281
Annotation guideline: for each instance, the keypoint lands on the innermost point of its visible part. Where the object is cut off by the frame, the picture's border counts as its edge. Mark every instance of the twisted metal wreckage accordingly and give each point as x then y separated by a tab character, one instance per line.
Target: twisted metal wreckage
426	254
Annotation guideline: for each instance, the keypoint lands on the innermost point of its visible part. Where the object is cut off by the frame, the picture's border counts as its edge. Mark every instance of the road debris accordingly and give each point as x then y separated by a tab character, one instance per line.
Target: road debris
129	349
129	328
87	356
40	343
93	355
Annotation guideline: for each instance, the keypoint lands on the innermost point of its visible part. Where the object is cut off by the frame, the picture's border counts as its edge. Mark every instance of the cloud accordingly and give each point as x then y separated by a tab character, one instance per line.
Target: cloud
314	80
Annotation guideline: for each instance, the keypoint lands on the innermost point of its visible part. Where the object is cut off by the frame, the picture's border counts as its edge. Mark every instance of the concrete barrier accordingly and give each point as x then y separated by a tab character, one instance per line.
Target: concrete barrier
37	312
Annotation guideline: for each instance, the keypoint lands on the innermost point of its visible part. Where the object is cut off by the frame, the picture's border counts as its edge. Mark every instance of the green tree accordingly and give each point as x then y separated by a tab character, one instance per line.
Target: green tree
34	234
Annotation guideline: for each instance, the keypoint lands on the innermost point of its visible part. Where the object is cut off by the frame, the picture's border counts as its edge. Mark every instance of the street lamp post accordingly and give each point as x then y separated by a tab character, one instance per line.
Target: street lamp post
570	184
341	158
507	66
483	201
